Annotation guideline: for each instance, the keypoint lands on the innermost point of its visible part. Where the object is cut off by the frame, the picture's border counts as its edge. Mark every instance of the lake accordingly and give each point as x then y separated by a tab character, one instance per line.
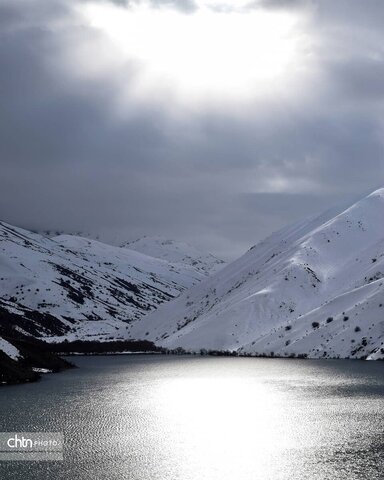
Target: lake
154	417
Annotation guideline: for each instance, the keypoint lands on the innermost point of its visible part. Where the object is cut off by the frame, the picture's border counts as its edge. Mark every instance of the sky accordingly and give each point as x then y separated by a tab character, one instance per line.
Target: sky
208	121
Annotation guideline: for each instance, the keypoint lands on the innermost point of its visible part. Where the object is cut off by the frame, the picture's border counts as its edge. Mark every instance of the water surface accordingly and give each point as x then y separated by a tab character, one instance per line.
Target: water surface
204	418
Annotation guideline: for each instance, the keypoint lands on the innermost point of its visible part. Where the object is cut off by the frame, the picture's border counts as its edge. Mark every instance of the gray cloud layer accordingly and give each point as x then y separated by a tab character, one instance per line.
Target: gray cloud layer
69	160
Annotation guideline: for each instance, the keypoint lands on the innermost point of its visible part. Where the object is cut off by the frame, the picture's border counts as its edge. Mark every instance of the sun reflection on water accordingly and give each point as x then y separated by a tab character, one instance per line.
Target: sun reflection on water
224	427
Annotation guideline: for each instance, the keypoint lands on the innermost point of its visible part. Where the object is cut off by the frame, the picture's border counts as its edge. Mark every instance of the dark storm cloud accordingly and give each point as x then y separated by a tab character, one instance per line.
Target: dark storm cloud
181	5
280	4
71	161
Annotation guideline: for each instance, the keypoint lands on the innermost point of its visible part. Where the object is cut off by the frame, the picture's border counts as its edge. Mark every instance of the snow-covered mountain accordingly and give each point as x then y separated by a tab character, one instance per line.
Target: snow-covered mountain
314	289
80	288
176	252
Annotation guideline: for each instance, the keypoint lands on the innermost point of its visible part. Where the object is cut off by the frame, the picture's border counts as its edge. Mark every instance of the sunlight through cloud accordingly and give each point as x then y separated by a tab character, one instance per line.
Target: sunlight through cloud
210	52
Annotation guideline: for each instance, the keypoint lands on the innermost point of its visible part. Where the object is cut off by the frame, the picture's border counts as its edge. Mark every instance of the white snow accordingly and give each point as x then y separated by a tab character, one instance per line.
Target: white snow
41	370
10	350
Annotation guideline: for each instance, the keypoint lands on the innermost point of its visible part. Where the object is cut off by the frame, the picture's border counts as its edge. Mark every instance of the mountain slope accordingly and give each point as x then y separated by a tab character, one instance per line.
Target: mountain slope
315	288
176	252
79	288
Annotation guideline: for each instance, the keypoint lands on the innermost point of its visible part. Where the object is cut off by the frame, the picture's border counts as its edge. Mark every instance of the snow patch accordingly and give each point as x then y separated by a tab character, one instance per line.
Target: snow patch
10	350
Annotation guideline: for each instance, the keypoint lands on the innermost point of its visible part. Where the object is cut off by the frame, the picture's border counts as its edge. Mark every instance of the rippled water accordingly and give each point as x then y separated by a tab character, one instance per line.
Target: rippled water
197	418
